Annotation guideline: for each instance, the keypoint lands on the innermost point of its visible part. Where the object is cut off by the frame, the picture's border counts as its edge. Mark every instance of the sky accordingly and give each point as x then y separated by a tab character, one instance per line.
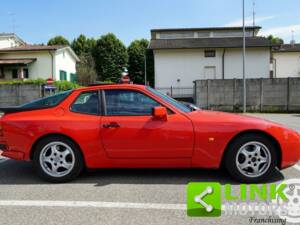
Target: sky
36	21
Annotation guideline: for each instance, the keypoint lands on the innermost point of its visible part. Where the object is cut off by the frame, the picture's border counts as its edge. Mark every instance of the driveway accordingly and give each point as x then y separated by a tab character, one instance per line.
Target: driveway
143	196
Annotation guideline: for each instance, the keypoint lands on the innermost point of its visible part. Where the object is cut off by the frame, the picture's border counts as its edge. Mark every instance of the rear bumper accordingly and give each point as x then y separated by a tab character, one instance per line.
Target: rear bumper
13	155
6	152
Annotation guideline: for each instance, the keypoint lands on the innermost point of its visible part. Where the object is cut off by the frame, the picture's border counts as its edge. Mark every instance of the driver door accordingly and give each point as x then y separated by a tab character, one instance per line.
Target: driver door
128	129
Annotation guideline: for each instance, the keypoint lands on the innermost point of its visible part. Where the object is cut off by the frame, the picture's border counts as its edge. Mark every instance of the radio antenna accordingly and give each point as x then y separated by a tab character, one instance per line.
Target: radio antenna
13	21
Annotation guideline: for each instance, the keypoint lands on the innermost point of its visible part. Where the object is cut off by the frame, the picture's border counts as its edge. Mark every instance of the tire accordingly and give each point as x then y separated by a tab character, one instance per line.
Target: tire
57	159
246	163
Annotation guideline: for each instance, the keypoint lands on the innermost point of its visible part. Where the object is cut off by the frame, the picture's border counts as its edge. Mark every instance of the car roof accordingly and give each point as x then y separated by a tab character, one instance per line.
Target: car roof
107	86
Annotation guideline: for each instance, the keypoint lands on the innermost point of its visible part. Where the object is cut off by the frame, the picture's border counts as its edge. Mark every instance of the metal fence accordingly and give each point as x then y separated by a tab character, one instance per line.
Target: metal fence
177	92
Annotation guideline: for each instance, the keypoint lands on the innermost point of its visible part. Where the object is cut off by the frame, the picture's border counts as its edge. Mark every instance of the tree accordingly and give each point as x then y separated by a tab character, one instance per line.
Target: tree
136	60
58	40
150	67
275	40
83	45
91	43
110	57
86	69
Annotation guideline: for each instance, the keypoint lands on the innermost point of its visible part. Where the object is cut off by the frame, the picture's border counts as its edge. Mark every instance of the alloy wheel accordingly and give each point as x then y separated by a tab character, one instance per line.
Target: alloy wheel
253	159
57	159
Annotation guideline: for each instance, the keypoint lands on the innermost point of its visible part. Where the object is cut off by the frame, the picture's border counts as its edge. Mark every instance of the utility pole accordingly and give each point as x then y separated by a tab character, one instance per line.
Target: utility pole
244	56
145	72
253	13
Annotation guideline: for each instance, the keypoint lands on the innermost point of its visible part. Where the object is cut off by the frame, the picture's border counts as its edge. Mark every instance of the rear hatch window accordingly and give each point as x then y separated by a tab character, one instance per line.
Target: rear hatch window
52	100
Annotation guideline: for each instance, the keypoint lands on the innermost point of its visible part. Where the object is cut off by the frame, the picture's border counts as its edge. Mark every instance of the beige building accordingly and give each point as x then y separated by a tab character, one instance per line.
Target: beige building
182	56
286	61
19	60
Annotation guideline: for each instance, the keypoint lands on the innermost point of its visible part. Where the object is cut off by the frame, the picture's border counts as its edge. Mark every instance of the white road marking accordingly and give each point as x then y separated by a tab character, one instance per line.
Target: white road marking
91	204
94	204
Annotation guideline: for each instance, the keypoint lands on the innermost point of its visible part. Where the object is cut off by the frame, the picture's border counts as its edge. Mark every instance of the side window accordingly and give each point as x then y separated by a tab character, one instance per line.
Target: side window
87	103
128	103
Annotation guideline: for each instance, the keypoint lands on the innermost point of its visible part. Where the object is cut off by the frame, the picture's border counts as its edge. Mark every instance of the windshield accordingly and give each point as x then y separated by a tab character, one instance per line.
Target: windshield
170	100
48	101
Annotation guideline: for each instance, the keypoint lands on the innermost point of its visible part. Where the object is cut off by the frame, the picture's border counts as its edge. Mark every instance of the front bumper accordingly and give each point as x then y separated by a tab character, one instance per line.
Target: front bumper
290	154
290	149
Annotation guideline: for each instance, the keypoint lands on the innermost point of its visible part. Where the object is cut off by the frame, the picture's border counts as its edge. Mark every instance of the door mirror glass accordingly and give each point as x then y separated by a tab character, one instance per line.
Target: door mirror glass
160	112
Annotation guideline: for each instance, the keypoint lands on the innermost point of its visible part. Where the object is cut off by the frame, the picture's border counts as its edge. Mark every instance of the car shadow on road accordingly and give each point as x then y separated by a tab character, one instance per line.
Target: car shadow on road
17	172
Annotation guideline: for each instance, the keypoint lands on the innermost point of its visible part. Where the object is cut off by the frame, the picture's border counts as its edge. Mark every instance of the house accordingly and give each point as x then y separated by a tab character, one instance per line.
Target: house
19	60
286	60
182	56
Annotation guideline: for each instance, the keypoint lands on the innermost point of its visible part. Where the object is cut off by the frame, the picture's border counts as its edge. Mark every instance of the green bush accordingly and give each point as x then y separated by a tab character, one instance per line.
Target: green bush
60	85
65	85
29	81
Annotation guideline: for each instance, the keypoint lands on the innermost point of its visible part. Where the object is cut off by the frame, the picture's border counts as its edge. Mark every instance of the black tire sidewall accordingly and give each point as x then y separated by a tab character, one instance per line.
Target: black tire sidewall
233	149
78	165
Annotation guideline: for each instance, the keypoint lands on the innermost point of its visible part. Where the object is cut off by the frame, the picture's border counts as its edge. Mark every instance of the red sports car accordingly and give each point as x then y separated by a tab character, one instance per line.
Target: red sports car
132	126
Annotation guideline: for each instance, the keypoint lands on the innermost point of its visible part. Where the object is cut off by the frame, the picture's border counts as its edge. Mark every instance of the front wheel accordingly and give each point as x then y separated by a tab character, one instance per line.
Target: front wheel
57	159
251	158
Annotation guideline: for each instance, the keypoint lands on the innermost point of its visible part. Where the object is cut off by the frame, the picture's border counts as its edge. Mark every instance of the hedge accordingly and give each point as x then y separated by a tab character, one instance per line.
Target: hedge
60	85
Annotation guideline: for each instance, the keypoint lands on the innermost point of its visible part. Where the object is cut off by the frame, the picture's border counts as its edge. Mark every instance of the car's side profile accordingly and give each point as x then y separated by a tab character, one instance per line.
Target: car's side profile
133	126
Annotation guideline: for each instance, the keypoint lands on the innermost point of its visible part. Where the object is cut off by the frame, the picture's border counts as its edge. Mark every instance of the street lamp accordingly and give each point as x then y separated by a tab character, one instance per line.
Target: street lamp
244	55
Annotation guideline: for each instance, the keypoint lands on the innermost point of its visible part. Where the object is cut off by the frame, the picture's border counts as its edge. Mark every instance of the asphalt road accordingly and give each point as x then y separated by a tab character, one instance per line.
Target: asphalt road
114	196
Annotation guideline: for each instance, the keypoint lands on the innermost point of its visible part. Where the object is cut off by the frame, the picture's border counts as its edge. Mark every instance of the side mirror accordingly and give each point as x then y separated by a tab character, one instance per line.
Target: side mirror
160	112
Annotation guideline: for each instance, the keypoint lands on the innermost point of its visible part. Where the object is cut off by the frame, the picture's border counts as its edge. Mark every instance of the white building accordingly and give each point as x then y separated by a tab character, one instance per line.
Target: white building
19	60
182	56
286	61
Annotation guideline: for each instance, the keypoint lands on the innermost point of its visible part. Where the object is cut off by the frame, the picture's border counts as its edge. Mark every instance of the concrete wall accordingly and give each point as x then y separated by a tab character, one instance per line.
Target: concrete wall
286	64
188	65
13	95
265	95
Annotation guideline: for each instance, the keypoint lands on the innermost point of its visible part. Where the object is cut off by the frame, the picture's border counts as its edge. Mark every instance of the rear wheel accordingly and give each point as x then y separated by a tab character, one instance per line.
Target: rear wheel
251	158
57	159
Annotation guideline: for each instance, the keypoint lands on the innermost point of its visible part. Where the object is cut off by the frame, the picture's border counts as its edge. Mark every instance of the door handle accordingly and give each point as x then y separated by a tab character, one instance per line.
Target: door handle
111	125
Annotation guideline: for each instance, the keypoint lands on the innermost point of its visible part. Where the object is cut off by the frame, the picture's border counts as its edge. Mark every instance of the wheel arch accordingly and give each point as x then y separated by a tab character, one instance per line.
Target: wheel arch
256	132
54	135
